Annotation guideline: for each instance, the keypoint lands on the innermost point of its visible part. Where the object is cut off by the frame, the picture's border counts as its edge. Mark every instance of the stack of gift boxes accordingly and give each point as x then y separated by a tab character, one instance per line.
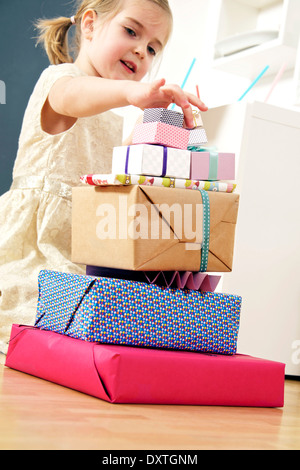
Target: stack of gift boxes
168	155
118	334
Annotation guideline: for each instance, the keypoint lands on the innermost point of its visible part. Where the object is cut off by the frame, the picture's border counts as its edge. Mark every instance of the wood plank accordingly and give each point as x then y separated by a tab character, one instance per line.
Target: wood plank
36	414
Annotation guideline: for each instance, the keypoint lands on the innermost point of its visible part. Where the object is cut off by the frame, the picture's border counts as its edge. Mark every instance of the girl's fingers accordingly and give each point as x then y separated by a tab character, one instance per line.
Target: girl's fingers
156	85
187	112
194	100
167	94
184	101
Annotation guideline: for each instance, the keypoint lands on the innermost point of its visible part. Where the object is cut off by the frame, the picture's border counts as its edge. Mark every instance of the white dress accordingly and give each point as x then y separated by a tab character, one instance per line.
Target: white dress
35	214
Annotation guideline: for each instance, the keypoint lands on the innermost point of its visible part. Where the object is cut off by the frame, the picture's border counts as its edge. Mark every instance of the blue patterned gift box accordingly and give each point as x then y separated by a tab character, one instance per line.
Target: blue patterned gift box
117	311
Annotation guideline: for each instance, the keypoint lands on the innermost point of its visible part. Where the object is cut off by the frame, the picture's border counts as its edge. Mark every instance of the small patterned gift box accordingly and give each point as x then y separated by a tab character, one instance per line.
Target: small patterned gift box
117	311
163	115
212	165
197	119
197	136
154	160
161	134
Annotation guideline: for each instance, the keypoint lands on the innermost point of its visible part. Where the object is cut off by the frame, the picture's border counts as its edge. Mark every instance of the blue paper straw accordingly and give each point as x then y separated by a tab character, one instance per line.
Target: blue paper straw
186	78
254	82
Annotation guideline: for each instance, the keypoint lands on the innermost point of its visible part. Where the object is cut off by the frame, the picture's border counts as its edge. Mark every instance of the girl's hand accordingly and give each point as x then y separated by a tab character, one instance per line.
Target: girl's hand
159	95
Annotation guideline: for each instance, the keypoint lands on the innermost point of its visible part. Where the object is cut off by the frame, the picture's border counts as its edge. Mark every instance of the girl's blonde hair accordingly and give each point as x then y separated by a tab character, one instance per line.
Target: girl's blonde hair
53	33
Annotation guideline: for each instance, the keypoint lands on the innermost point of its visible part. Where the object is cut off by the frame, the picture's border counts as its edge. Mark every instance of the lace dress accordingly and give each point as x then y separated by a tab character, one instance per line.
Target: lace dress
35	213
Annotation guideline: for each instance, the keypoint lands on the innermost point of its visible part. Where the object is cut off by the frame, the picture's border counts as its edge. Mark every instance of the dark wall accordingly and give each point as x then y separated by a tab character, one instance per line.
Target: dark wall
21	64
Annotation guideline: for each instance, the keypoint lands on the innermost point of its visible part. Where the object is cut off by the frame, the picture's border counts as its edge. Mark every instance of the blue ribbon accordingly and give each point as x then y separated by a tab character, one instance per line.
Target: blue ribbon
213	162
127	160
164	170
206	231
213	165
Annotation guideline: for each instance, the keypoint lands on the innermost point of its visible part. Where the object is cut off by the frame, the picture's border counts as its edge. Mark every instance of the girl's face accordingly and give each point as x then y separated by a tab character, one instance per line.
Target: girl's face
124	48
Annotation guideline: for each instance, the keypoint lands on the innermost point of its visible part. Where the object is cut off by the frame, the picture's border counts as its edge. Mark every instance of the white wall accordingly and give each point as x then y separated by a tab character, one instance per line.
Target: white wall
193	33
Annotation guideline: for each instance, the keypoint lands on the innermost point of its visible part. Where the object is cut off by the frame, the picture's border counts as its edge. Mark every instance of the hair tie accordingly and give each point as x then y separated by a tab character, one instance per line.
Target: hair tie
72	19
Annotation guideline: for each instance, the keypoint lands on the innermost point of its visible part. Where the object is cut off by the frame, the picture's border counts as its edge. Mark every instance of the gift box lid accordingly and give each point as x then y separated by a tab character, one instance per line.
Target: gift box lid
167	116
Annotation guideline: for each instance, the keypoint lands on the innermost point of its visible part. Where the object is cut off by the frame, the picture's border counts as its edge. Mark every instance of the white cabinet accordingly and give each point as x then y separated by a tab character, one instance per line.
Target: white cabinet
251	34
266	266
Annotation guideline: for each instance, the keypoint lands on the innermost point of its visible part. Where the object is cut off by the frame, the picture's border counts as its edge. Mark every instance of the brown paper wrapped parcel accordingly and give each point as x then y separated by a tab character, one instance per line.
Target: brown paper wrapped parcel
148	228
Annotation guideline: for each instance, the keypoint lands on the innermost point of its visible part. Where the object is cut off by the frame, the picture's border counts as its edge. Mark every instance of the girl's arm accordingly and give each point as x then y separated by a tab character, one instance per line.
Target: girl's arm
75	97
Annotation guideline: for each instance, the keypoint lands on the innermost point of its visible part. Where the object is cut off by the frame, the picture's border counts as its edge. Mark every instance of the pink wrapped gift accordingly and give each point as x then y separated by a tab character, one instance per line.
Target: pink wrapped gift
161	133
123	374
212	166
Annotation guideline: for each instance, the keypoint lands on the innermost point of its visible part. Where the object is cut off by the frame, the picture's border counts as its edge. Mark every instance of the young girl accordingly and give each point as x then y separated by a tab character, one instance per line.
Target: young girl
69	130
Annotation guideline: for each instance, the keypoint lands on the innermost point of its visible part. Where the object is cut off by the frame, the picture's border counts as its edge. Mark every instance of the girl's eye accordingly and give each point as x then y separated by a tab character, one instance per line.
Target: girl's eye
130	31
151	50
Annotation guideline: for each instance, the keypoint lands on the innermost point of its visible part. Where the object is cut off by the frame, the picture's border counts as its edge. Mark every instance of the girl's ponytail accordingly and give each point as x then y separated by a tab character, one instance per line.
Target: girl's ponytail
53	34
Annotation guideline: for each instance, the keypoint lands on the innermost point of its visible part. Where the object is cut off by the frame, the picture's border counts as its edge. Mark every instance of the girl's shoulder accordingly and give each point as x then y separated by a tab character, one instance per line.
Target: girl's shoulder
49	76
61	70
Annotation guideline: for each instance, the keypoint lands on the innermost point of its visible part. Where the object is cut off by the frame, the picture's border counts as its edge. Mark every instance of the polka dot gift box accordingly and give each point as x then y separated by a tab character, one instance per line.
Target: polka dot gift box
117	311
162	134
167	116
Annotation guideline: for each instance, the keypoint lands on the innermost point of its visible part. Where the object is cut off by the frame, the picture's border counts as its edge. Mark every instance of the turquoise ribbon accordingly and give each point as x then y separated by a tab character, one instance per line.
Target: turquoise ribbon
213	160
213	165
206	231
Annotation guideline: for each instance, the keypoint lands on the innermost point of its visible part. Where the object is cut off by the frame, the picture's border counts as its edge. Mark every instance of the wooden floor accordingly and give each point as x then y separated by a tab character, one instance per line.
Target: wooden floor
36	414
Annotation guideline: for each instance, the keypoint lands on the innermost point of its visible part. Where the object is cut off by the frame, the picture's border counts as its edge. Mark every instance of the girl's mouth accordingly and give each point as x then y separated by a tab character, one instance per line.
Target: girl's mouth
129	66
